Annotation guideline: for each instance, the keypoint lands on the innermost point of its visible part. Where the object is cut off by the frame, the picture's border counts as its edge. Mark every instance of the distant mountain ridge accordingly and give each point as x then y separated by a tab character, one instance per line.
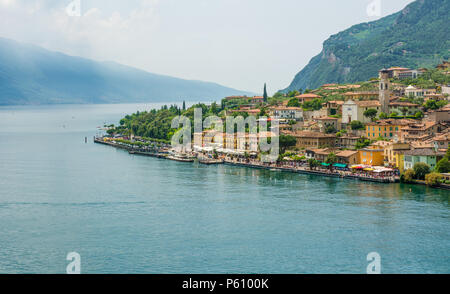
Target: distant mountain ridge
417	36
33	75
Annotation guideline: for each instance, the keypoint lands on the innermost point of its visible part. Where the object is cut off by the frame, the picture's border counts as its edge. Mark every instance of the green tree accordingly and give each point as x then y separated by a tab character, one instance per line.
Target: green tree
421	169
287	141
331	159
330	129
383	115
357	125
443	166
184	105
370	113
394	114
293	103
313	163
419	114
404	111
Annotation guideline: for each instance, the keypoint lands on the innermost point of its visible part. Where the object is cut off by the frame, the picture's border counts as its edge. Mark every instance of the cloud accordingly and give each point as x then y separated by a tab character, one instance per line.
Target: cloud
95	34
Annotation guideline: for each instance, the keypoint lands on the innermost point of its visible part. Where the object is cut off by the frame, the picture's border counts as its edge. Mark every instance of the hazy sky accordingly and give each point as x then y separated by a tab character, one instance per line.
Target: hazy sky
237	43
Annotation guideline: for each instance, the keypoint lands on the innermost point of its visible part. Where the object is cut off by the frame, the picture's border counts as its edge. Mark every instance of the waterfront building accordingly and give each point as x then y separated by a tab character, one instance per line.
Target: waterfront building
394	154
428	156
348	157
308	139
373	156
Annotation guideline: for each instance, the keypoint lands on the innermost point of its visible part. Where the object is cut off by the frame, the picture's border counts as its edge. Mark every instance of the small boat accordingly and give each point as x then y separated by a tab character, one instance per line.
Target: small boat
210	161
181	157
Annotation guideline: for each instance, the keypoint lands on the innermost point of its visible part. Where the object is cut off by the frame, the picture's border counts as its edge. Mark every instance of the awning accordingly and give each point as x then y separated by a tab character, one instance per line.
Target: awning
340	165
357	167
325	164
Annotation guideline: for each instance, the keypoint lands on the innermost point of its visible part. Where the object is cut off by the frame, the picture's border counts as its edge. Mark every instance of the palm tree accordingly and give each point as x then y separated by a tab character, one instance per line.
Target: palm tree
331	159
312	163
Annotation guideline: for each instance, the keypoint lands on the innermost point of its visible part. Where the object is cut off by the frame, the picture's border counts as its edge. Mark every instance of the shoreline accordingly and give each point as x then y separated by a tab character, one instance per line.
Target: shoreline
298	170
256	166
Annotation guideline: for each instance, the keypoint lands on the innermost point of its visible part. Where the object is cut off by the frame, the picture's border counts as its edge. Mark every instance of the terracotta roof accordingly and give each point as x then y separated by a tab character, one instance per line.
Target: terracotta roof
338	102
397	68
308	134
286	108
404	104
423	152
392	122
442	137
308	96
346	153
361	93
325	118
369	103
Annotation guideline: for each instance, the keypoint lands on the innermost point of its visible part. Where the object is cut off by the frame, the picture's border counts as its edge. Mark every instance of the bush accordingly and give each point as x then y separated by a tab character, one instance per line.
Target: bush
433	179
408	176
421	170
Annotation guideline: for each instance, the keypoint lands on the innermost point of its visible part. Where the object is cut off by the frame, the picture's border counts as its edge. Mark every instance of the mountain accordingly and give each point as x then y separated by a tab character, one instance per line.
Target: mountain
33	75
417	36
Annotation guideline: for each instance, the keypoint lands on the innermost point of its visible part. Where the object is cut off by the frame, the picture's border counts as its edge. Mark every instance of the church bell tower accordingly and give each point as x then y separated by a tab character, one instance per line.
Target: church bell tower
385	90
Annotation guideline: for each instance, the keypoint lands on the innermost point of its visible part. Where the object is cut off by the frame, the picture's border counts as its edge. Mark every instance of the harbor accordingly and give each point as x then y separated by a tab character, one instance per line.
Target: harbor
236	159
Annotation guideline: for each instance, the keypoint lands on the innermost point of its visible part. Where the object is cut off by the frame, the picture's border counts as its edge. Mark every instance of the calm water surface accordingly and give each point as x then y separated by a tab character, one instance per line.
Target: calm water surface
131	214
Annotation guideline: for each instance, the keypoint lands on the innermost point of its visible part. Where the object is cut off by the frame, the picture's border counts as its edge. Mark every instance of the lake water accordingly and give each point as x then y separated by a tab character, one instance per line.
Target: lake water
131	214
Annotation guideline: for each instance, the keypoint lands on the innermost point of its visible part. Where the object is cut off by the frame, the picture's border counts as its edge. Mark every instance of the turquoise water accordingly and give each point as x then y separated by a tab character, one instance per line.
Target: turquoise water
131	214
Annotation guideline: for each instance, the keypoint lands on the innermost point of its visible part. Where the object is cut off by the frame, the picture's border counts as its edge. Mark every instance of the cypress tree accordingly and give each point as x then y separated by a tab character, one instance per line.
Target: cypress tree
184	105
265	93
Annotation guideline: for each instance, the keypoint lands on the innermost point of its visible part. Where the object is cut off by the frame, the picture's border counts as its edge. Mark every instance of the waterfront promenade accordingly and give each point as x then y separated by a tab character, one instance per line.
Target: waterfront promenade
301	168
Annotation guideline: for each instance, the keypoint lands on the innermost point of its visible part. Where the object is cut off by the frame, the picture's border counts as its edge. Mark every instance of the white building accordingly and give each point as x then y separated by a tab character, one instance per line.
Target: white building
354	110
412	91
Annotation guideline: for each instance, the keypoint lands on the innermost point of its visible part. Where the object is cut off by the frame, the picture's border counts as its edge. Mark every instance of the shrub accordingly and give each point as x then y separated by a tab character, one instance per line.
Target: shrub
408	176
433	179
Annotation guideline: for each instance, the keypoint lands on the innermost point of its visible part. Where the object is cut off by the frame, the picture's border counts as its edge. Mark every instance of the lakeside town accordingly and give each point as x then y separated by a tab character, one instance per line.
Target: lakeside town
395	127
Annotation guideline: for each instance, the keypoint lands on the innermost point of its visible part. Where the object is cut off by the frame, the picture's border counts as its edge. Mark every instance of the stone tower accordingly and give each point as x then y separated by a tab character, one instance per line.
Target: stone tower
385	90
